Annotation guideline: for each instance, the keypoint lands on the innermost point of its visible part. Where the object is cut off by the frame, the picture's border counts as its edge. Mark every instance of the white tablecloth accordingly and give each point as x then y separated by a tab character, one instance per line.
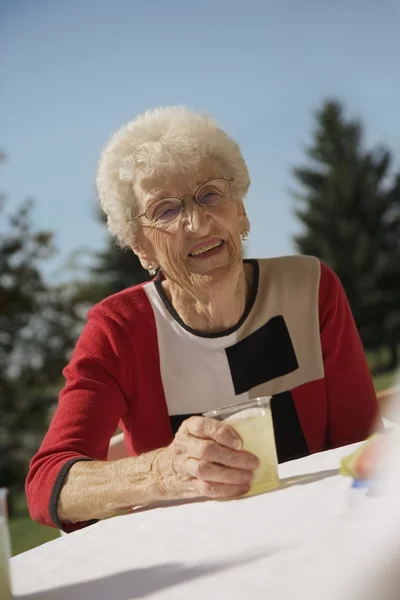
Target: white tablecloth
246	548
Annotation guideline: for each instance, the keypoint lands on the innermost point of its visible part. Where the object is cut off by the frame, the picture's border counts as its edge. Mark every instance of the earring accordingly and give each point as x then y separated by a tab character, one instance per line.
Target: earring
152	270
245	235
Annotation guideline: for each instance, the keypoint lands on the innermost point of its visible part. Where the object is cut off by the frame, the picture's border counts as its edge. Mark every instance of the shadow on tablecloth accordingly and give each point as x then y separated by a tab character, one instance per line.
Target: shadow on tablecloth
306	478
139	583
284	483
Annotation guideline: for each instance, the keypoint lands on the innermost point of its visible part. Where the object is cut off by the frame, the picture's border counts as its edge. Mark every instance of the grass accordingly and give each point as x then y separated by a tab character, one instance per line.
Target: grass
25	534
384	381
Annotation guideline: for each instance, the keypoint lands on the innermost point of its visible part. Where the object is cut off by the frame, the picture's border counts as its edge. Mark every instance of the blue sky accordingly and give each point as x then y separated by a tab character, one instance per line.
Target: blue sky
71	73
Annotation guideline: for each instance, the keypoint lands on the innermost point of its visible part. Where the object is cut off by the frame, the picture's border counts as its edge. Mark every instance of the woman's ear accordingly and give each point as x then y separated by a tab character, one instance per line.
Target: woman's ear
144	256
245	219
246	223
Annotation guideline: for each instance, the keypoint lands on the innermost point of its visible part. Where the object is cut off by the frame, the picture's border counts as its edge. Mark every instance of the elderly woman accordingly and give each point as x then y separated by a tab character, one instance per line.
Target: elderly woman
210	329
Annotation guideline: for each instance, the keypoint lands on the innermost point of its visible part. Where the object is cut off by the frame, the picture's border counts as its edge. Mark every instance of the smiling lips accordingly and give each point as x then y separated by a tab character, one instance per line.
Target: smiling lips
205	247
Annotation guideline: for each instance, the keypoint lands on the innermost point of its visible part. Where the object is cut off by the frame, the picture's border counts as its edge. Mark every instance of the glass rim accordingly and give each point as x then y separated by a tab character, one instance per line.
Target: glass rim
233	408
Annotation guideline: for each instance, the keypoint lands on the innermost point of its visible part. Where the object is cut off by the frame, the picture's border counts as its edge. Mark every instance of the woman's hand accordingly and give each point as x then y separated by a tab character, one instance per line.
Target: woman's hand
204	459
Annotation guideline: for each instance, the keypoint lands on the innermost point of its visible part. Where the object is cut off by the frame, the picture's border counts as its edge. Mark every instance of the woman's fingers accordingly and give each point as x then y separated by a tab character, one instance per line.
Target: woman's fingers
212	452
211	472
210	489
205	428
207	459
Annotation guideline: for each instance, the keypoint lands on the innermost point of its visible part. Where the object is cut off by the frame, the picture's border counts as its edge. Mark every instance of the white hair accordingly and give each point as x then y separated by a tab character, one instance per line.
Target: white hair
161	141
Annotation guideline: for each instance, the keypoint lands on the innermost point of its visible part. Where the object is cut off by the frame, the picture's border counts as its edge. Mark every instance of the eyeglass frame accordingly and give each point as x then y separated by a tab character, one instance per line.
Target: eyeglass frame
182	201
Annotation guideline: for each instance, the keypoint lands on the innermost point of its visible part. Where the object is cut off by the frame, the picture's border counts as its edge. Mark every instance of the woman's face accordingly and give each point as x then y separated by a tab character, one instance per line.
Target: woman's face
203	241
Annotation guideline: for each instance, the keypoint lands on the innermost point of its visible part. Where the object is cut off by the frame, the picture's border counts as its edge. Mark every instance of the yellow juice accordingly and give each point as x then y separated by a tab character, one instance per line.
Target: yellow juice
5	584
255	427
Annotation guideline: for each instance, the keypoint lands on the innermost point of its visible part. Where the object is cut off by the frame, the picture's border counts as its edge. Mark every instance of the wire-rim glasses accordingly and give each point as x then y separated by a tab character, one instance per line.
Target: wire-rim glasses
166	210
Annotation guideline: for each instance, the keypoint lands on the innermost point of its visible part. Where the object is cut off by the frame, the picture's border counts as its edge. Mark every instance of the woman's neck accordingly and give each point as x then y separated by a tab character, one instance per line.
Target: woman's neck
218	306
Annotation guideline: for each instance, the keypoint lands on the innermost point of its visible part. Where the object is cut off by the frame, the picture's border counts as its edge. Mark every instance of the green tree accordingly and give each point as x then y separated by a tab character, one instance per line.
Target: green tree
116	269
110	271
349	207
38	327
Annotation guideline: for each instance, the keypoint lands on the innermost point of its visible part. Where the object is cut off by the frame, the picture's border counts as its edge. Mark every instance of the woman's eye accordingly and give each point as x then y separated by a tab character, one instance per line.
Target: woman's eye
210	196
166	212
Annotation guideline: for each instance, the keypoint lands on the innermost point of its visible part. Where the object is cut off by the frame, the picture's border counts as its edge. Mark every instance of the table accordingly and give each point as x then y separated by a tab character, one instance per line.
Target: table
246	548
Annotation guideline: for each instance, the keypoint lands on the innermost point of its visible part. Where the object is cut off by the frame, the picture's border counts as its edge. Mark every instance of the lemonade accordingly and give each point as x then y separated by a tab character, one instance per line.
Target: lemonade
5	585
5	550
255	427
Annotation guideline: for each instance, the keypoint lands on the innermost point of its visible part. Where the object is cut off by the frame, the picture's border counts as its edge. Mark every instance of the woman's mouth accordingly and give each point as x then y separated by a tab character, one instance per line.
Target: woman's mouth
207	249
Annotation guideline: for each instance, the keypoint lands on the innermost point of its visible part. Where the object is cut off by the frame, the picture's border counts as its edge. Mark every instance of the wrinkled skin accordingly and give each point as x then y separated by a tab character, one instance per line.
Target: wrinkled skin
204	460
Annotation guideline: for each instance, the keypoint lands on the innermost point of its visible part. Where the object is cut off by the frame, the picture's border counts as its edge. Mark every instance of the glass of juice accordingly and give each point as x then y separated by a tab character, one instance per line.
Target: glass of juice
5	549
252	420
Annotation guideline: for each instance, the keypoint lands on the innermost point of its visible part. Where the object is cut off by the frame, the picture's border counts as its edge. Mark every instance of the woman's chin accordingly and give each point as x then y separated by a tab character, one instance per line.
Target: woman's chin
216	267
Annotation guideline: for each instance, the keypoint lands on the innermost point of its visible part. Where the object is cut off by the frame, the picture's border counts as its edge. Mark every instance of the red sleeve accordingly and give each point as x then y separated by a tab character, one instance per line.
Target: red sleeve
88	412
352	404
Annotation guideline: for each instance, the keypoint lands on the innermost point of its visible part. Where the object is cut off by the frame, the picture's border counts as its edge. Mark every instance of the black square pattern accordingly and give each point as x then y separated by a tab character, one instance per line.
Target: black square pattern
264	355
289	437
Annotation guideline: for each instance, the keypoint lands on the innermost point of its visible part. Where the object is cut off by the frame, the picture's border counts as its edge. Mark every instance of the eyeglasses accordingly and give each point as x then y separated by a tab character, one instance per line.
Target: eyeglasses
211	193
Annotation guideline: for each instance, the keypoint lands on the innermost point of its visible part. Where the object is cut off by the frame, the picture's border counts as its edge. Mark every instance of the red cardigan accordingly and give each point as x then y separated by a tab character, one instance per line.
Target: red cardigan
114	376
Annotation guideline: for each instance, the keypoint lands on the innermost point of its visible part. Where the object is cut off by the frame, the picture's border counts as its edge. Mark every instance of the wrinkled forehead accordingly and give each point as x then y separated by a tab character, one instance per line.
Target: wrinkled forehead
174	183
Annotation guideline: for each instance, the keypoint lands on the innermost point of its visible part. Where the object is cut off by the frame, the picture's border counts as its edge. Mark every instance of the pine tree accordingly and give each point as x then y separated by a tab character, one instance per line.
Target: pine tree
349	206
112	270
38	328
117	269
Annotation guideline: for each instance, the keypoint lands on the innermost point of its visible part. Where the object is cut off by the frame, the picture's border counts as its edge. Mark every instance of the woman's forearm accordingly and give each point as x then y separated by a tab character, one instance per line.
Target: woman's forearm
96	490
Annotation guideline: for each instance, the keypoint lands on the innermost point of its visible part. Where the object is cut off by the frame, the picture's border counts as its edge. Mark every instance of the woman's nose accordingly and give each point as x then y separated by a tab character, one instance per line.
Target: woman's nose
197	218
